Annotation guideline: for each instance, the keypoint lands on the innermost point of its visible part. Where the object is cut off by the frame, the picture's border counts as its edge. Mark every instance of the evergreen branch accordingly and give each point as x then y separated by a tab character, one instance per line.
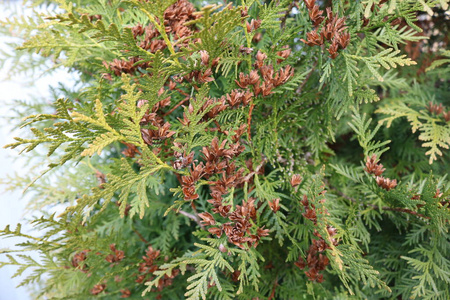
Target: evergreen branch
365	136
387	58
382	208
440	62
156	9
434	134
305	81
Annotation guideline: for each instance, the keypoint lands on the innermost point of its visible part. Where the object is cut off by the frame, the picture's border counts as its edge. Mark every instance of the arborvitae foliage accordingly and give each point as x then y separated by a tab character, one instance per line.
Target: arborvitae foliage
248	150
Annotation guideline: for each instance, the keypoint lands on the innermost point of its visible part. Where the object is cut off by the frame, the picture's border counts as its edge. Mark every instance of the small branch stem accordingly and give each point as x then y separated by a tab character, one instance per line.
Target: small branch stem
258	168
192	217
300	88
176	106
272	295
219	128
140	236
405	210
182	92
284	17
376	207
249	122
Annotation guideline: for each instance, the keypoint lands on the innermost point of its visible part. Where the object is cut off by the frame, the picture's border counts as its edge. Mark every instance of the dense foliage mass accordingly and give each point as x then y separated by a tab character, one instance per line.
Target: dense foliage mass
243	150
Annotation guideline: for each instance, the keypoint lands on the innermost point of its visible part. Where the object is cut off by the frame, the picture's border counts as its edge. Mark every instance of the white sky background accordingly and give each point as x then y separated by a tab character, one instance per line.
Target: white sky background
12	205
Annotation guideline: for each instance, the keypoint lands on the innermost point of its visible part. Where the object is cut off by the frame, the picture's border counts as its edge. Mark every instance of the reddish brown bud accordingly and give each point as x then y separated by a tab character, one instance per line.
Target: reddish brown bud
125	293
98	288
207	219
309	3
333	49
262	232
300	263
204	57
446	116
253	25
343	40
284	54
372	166
215	230
438	194
313	39
205	77
257	37
260	57
304	201
296	179
386	183
117	255
316	15
275	205
434	108
244	12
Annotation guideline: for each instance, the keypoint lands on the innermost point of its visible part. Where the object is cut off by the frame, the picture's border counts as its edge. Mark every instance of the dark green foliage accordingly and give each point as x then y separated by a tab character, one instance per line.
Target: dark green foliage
223	152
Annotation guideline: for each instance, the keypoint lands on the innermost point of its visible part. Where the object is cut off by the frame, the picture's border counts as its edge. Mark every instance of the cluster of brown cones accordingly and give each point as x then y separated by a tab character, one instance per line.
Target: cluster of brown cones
316	260
332	30
373	167
438	110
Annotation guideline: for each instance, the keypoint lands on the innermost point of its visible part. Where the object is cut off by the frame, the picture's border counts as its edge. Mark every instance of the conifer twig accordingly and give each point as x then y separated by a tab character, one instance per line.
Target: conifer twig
176	106
376	207
408	211
288	10
249	122
300	88
272	295
258	168
193	217
140	236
